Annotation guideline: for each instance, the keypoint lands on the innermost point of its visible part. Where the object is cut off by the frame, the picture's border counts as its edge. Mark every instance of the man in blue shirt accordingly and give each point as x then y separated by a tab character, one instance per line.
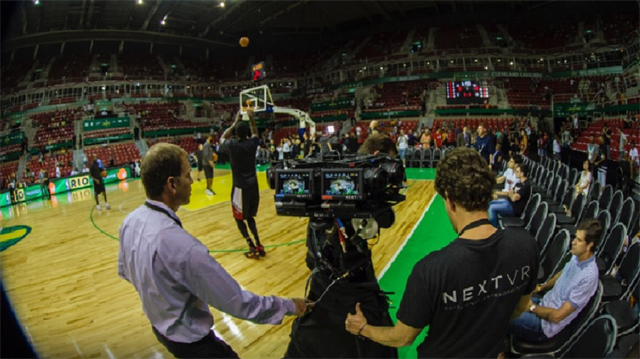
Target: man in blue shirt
174	274
484	145
570	291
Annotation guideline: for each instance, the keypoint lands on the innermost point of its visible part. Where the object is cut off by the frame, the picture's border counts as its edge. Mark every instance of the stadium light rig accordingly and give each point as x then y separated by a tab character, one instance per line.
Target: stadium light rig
139	2
222	4
36	2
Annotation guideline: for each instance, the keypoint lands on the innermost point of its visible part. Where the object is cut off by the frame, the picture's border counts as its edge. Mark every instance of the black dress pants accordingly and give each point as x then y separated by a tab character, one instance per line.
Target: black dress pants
208	347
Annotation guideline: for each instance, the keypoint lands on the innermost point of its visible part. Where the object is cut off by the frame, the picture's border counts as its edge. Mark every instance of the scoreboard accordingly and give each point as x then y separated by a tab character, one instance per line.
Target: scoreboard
466	92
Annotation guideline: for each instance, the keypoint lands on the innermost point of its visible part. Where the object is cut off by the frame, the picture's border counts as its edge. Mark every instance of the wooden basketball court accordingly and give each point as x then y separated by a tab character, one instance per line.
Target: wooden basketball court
63	284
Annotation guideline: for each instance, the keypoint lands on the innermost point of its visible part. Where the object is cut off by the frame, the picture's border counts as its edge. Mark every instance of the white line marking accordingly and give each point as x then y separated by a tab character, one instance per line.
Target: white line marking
384	270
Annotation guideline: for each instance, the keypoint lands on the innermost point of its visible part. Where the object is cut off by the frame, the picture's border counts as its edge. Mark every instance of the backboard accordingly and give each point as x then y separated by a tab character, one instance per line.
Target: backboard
257	98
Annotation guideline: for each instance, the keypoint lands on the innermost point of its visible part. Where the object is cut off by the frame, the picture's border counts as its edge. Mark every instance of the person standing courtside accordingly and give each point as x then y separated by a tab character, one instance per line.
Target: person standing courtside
198	157
98	182
174	274
468	310
207	164
245	196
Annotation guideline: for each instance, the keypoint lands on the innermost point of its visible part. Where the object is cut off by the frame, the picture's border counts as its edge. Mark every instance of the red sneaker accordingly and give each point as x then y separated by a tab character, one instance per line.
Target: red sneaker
252	253
261	251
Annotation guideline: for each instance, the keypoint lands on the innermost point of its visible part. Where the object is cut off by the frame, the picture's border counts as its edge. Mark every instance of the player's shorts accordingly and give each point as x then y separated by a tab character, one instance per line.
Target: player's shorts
245	202
208	172
99	188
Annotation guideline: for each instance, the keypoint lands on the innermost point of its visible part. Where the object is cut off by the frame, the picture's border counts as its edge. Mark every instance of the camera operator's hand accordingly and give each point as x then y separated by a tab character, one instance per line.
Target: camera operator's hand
356	322
301	306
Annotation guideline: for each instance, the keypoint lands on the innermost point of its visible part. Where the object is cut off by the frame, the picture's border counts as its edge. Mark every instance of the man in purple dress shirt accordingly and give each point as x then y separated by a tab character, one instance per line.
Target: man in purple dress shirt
173	272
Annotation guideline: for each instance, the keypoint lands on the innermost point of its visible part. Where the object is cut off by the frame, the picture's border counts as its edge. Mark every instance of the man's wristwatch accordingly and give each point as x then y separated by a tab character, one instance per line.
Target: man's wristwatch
533	306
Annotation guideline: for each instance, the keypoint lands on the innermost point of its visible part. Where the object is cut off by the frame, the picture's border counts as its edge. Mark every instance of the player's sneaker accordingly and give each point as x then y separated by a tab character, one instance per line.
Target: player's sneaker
98	207
107	206
261	251
252	253
208	192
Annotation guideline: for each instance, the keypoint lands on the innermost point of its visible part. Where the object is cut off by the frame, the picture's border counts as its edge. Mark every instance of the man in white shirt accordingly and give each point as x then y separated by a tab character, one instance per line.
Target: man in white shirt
623	142
633	153
509	178
286	148
403	144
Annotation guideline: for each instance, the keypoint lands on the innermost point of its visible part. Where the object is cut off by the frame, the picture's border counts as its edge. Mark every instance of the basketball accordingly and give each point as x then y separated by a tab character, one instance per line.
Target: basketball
104	174
215	157
244	42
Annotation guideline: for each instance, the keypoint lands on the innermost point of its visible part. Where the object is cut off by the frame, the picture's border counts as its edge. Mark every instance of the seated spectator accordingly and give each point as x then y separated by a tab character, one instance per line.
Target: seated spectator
569	291
509	178
585	180
516	199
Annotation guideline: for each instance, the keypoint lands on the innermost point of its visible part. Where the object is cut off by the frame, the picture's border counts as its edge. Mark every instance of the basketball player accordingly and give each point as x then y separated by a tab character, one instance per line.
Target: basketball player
207	164
173	272
245	197
198	157
98	183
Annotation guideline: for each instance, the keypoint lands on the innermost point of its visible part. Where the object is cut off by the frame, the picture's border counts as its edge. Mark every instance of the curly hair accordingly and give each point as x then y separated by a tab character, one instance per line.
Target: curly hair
378	142
464	178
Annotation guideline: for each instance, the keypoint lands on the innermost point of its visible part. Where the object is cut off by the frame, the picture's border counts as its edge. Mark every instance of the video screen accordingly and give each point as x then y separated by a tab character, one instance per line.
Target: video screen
294	183
342	184
467	92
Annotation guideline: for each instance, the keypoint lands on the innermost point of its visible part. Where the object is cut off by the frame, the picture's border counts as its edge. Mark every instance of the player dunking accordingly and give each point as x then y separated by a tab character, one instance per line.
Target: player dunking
245	197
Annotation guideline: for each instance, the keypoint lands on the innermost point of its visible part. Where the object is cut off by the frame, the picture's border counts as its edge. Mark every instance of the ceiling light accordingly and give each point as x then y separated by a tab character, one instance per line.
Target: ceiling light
139	2
510	62
163	22
221	4
36	2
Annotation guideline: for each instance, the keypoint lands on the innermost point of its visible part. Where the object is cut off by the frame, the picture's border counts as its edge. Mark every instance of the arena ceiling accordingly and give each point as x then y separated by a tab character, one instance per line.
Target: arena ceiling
207	22
206	19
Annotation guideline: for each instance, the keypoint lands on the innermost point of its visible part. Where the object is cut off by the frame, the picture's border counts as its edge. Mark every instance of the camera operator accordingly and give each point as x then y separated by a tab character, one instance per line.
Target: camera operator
466	292
321	334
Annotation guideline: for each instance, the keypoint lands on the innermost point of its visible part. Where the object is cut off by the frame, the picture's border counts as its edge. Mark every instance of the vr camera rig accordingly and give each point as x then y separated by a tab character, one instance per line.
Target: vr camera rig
356	186
347	201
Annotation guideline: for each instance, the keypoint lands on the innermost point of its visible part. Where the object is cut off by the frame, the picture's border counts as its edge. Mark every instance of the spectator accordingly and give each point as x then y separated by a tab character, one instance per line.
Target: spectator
325	145
464	139
425	139
457	306
517	198
438	138
585	180
509	177
633	157
557	150
606	136
569	291
623	143
498	157
601	163
403	144
484	145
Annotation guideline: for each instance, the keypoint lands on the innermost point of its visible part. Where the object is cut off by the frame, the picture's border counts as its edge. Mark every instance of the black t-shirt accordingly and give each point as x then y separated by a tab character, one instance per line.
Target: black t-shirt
243	161
607	140
524	190
603	152
467	292
95	170
199	156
